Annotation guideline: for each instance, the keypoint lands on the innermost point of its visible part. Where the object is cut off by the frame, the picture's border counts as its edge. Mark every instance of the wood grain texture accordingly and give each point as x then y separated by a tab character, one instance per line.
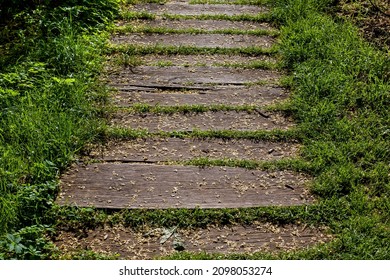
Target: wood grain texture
150	186
178	8
176	149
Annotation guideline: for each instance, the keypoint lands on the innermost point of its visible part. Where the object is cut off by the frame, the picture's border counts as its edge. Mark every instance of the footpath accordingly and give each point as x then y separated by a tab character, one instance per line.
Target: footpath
196	123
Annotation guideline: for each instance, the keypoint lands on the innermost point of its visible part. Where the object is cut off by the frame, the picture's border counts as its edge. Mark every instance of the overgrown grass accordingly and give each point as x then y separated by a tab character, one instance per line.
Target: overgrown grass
119	133
126	60
282	164
133	15
130	28
133	50
185	109
341	98
49	94
340	101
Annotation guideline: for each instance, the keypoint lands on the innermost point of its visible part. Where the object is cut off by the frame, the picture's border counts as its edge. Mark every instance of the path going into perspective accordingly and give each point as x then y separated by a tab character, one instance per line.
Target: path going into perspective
196	122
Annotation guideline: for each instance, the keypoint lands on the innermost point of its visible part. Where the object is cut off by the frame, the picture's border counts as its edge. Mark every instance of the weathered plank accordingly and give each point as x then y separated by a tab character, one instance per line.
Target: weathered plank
122	185
219	120
194	40
145	243
199	9
206	25
175	149
202	60
235	96
179	76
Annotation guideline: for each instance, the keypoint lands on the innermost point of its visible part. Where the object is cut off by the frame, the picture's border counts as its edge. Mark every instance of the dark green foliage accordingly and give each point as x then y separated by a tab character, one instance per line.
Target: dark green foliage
341	98
50	56
86	12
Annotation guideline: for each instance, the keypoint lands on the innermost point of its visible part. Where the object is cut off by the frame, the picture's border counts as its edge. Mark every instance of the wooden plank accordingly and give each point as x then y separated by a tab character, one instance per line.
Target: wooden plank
175	149
235	96
149	186
202	60
153	76
199	9
194	40
145	242
206	25
219	120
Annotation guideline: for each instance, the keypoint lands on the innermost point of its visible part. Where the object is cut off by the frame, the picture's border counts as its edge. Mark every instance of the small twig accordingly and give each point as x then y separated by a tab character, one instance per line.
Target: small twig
262	114
289	187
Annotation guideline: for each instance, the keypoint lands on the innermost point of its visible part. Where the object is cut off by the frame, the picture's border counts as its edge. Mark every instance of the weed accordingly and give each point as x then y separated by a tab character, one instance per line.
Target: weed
145	108
273	135
164	30
132	15
188	50
48	89
338	82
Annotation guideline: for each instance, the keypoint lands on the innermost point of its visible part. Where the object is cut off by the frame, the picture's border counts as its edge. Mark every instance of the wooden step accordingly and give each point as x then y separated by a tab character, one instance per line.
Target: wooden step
194	40
255	95
219	120
216	60
148	243
205	25
179	77
176	149
150	186
198	9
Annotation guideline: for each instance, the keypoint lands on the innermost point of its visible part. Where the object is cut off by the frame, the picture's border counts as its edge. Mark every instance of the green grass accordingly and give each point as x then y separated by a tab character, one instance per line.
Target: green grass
132	15
49	98
133	50
340	98
184	109
340	101
259	64
129	60
118	133
341	88
130	28
282	164
81	218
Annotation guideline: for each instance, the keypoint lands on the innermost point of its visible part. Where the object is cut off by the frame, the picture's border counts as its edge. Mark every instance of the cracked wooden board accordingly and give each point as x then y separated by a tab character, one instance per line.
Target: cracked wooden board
150	186
176	149
182	77
145	243
198	9
194	40
206	25
201	60
219	120
235	96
